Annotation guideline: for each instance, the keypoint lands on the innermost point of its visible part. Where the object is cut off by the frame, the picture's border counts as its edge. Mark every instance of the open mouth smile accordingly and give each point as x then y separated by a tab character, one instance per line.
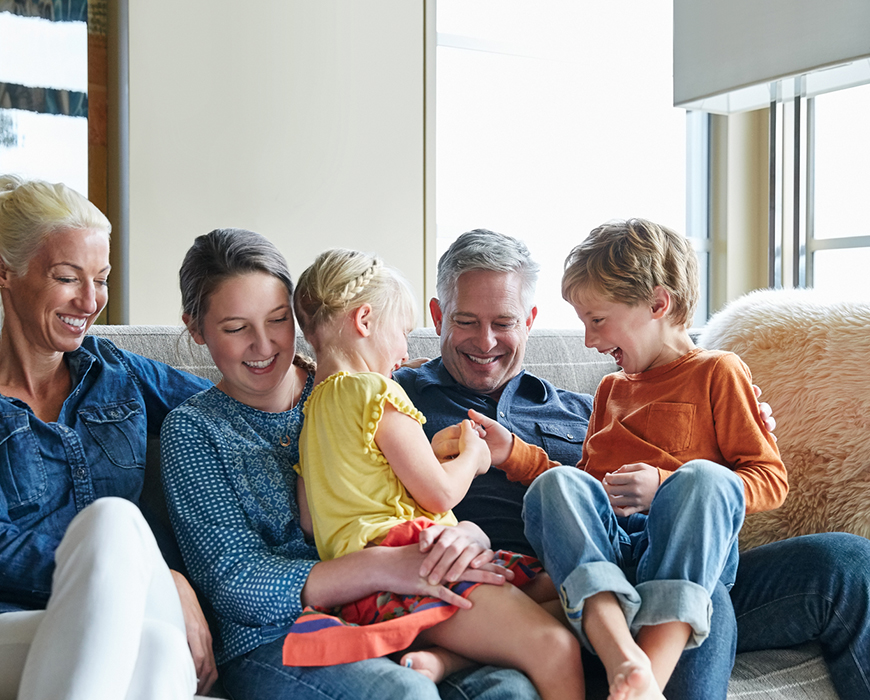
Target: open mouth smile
262	364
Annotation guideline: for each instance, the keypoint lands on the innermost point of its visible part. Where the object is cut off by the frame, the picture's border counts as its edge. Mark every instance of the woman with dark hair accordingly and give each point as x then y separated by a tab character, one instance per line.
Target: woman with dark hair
228	456
88	607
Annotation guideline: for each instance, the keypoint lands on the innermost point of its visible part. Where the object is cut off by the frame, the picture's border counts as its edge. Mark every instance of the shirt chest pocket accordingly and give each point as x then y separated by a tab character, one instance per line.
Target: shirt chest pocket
668	426
22	471
120	430
562	442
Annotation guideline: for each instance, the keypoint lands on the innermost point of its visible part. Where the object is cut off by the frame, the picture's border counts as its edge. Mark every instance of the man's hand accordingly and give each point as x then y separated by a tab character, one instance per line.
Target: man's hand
198	635
631	488
766	411
499	439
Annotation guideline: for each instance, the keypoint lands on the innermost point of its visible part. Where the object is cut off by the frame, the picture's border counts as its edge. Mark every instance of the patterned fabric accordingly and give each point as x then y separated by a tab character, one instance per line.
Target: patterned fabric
384	622
354	496
231	492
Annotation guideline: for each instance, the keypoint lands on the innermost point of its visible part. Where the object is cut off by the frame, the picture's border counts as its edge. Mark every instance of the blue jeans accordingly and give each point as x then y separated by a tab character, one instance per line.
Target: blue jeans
815	587
259	674
662	567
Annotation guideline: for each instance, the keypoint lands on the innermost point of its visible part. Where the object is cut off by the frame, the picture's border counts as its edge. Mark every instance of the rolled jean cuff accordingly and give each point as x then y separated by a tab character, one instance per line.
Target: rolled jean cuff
668	600
591	578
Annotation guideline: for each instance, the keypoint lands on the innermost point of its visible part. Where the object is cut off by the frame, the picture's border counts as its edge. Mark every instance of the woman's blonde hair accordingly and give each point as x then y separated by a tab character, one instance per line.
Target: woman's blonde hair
625	261
341	280
32	210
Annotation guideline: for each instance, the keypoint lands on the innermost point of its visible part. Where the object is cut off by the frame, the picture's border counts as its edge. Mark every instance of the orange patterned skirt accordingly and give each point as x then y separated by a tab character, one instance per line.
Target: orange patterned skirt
382	623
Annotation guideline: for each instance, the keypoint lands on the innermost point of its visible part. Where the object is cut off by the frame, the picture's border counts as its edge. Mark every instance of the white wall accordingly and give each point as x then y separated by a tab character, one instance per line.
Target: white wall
299	119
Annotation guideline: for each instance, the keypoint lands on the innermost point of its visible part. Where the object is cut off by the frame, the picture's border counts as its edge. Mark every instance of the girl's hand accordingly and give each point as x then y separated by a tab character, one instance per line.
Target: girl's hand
452	551
470	441
631	488
499	439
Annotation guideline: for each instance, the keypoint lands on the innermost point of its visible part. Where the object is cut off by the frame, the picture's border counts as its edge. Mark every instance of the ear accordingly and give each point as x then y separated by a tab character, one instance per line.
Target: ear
531	319
661	302
4	272
437	315
363	320
192	329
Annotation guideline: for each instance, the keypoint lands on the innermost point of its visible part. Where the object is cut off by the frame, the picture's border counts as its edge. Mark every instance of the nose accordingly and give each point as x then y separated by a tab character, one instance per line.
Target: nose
87	299
261	344
589	339
485	338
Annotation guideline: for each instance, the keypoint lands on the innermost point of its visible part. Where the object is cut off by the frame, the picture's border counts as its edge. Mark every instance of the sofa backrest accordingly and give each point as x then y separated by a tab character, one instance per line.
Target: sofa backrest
557	355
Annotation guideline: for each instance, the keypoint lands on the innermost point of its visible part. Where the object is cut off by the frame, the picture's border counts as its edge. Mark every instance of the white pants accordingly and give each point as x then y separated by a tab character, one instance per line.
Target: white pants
113	628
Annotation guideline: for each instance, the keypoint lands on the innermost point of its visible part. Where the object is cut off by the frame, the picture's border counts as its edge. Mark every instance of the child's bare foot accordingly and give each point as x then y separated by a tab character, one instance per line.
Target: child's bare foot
436	663
634	681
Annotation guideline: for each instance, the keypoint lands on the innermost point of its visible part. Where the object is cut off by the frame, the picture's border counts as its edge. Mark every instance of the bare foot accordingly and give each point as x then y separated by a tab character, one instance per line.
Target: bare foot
436	663
634	681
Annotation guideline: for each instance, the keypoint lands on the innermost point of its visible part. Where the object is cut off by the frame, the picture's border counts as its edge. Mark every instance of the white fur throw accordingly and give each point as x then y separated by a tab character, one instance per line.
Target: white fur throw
810	356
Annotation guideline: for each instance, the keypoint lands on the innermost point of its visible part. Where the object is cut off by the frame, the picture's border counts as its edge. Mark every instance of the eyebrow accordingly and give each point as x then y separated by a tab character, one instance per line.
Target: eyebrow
77	267
243	318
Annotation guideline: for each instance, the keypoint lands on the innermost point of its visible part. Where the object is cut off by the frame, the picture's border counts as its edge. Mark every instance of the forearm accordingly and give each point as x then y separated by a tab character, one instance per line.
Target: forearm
348	578
526	462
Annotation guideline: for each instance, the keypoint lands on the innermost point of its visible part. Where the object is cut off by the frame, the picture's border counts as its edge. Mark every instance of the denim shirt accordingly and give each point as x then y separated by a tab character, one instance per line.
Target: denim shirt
51	471
531	408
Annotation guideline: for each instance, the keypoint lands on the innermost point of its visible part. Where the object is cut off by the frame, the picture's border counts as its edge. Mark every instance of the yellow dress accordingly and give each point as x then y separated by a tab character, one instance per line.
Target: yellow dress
354	496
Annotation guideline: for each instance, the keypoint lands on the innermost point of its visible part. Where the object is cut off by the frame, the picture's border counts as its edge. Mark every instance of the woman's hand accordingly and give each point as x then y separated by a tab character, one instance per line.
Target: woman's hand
452	551
198	635
631	488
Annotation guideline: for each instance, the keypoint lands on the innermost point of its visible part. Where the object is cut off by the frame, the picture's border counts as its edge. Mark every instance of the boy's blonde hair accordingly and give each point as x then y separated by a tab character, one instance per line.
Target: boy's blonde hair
341	280
624	261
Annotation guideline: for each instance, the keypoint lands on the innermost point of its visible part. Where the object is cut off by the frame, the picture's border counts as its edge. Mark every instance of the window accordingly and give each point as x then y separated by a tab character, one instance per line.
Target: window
43	92
822	169
555	116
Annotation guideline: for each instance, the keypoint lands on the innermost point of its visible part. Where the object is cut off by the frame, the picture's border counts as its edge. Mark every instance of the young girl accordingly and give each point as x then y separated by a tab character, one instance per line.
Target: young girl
372	479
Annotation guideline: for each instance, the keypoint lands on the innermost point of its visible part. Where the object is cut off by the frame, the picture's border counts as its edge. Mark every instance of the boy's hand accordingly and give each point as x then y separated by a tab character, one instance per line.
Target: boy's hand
499	439
631	488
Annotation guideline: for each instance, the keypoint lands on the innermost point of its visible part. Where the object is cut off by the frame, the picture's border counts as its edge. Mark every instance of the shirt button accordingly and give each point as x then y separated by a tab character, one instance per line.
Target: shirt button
501	413
79	473
570	436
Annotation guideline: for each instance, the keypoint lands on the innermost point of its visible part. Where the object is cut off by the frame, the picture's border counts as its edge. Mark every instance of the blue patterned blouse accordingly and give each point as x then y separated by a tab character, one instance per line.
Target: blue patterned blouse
231	492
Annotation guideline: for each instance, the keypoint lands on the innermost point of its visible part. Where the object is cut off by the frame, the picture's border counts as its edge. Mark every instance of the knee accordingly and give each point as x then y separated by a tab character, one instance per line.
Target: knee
562	485
700	477
110	529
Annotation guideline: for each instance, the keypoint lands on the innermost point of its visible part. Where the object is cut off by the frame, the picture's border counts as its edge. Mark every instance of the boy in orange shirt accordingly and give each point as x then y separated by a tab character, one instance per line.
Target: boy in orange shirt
676	453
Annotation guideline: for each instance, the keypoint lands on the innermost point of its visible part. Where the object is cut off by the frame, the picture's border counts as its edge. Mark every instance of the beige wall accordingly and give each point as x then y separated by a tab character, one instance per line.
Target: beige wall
300	119
739	205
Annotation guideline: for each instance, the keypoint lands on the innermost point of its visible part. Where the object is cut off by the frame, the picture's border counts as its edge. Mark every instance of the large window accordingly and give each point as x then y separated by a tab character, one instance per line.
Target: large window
43	91
555	116
821	168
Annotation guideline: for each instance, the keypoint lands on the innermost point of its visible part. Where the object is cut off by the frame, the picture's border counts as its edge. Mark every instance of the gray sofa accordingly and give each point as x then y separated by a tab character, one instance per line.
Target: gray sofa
561	357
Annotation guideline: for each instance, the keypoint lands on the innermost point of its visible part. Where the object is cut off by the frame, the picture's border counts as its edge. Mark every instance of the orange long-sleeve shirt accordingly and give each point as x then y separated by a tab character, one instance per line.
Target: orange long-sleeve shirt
700	406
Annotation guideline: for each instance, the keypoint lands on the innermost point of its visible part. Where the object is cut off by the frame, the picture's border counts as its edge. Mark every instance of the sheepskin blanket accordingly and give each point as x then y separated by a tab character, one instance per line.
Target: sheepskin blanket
811	357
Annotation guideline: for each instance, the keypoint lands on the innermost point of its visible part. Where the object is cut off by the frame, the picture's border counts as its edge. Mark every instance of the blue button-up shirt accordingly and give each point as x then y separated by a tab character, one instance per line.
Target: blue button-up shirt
531	408
51	471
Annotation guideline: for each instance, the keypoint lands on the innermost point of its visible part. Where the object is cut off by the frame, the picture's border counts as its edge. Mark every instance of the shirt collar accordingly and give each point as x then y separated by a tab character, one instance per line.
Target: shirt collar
434	373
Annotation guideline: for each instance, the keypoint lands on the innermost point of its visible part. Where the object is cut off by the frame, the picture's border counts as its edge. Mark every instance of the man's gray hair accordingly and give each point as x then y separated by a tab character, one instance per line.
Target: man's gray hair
482	249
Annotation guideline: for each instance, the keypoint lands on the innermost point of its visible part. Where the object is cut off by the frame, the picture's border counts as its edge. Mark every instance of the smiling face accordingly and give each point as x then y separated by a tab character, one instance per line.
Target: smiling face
249	330
484	330
62	293
637	337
